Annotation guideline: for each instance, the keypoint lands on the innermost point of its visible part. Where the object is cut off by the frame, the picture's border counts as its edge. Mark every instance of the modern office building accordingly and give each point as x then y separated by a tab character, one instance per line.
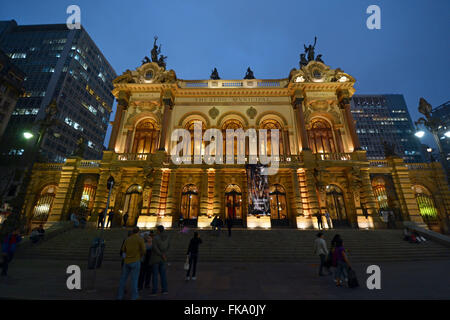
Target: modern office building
11	87
65	65
442	112
62	65
385	117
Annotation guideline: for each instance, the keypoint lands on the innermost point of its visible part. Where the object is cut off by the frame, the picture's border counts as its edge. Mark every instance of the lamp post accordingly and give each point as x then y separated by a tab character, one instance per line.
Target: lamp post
44	124
433	124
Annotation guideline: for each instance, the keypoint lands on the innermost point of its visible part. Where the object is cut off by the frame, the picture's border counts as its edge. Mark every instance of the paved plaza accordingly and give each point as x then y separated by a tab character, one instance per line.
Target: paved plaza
46	279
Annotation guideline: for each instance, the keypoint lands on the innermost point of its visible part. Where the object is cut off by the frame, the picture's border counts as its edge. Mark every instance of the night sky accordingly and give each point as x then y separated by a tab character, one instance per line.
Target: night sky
409	55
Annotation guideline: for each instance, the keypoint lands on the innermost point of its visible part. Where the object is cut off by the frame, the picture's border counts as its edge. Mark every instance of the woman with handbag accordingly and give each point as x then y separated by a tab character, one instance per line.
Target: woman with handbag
192	256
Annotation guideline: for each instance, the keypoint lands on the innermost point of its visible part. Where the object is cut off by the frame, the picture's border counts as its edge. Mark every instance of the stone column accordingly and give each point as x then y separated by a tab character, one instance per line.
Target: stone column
370	202
300	118
156	192
122	105
405	194
204	194
344	98
217	206
63	196
167	102
170	204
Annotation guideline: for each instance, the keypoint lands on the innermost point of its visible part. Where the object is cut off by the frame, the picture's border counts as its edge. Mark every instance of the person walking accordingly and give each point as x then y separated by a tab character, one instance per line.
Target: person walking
158	260
340	261
320	249
192	252
134	250
229	223
327	216
101	218
146	270
125	219
74	219
9	245
110	218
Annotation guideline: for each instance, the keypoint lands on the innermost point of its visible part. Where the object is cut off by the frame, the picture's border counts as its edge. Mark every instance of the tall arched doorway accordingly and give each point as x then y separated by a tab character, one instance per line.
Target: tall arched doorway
269	125
233	203
320	137
189	204
336	206
427	207
133	204
43	205
278	206
146	137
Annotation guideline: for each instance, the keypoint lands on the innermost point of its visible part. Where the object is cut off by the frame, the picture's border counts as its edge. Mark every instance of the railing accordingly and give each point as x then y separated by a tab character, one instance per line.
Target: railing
378	163
334	156
132	156
49	166
233	160
89	164
418	166
250	83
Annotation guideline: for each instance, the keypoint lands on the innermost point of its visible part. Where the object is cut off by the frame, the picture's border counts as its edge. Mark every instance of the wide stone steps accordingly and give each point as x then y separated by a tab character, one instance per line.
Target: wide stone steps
286	245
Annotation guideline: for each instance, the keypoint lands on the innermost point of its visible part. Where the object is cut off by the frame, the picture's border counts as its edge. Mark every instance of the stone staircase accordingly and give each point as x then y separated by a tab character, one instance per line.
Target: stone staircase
276	245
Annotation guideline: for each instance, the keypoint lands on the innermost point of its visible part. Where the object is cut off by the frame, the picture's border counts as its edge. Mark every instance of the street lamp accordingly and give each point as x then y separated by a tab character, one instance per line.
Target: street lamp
28	135
419	134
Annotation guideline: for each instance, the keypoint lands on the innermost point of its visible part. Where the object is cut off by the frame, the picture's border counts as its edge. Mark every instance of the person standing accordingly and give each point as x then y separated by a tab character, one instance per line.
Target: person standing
125	219
101	217
146	272
340	261
192	252
158	260
319	221
110	218
134	250
74	219
9	246
327	216
229	223
320	249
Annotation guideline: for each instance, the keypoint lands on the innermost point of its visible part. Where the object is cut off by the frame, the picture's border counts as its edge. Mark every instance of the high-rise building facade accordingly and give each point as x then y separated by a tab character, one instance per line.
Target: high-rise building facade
11	81
385	118
442	112
65	65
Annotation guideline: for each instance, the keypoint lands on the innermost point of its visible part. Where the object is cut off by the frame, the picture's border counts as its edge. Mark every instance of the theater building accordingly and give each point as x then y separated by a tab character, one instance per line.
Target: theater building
322	167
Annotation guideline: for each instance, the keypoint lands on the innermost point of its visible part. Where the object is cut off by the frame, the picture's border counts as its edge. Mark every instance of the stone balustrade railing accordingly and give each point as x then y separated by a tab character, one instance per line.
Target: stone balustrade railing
250	83
89	164
49	166
378	163
132	156
334	156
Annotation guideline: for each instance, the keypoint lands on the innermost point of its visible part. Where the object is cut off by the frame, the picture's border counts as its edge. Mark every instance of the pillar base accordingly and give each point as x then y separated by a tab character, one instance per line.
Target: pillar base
261	222
304	222
204	222
147	222
365	223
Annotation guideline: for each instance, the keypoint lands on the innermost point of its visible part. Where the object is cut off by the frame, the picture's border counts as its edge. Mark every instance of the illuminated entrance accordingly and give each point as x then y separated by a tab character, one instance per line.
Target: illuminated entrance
427	208
336	206
233	203
133	203
189	204
278	206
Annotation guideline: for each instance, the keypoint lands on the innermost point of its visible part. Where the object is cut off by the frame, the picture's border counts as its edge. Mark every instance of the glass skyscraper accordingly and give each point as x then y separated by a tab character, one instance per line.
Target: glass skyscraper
385	117
65	65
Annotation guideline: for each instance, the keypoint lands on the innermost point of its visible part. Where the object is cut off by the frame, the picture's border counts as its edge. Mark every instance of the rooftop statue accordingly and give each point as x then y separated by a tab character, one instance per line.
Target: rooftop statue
310	50
319	58
162	62
81	147
425	108
249	74
303	61
155	51
214	75
389	149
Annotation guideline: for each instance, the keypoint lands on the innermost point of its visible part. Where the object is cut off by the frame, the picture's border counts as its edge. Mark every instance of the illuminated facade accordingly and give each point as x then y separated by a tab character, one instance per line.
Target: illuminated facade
321	165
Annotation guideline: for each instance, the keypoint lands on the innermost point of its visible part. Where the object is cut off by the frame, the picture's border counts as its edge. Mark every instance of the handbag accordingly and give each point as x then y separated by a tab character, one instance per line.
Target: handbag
186	263
352	280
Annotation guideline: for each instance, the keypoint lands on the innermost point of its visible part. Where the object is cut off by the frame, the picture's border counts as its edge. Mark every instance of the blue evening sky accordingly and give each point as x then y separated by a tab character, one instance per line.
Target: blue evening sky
409	55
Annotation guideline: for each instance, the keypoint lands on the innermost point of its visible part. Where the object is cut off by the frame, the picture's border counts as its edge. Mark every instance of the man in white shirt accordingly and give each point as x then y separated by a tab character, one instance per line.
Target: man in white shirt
320	248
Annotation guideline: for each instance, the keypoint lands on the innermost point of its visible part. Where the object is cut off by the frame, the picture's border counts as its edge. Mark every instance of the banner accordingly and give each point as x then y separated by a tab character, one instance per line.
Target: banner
258	190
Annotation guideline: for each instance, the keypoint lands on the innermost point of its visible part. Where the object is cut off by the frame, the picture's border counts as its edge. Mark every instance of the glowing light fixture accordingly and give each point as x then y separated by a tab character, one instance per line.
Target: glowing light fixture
28	135
419	134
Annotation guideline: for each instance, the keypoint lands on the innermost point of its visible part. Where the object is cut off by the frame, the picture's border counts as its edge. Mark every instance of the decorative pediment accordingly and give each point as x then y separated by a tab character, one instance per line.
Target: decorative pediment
316	71
149	72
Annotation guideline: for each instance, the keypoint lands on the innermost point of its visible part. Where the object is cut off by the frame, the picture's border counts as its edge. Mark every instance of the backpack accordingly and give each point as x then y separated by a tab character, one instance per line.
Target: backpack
352	280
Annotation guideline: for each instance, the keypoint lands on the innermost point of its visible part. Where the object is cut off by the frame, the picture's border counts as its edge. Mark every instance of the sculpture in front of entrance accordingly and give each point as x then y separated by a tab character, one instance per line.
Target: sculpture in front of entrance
249	74
214	75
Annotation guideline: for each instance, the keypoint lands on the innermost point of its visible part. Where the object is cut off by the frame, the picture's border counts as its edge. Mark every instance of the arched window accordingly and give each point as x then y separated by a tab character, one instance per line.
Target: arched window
233	202
88	194
278	204
320	137
379	190
189	202
44	204
270	124
146	137
426	204
235	125
196	149
133	203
